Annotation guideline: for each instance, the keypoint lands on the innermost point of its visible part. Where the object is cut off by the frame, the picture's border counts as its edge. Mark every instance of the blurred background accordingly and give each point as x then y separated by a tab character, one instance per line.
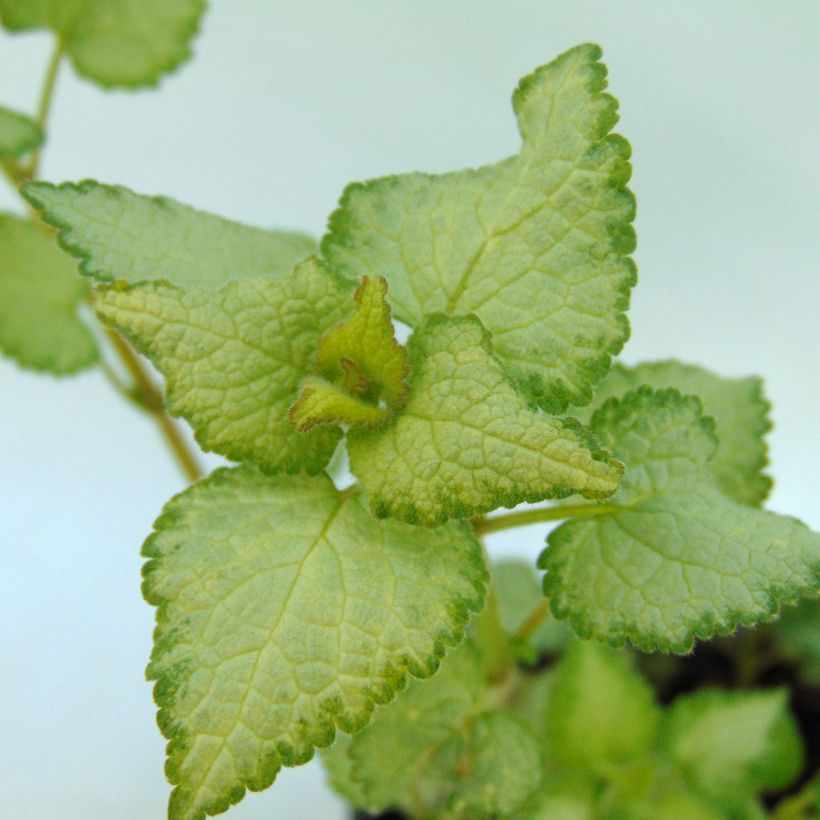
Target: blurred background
283	104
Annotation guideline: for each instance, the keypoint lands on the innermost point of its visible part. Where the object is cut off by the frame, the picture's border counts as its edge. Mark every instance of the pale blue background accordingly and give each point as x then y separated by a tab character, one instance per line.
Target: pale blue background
285	103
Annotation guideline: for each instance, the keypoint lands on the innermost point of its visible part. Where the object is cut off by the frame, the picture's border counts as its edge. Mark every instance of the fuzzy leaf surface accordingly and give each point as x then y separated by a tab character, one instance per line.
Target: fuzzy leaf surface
601	711
120	235
367	340
114	43
537	245
233	359
19	134
680	559
731	745
466	442
321	402
285	611
738	406
40	292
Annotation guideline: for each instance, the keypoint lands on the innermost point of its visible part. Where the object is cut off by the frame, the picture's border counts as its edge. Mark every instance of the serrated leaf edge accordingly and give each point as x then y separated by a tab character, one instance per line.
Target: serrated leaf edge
397	673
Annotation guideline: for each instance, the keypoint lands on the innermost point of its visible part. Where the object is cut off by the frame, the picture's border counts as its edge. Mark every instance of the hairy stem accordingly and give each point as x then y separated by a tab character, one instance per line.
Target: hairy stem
151	399
524	517
44	108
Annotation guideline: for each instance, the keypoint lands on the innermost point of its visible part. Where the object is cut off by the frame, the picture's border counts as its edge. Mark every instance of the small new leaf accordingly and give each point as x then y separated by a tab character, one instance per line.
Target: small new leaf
321	402
680	559
119	235
114	43
19	134
366	341
466	442
40	292
537	245
738	406
284	611
233	359
363	368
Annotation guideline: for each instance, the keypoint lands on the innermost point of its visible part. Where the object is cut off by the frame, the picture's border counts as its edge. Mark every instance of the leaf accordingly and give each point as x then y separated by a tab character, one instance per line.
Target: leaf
435	751
798	637
114	43
366	340
570	797
466	442
673	805
40	292
601	712
674	559
740	410
363	366
733	744
536	245
233	359
321	402
120	235
284	611
19	134
518	592
501	762
392	758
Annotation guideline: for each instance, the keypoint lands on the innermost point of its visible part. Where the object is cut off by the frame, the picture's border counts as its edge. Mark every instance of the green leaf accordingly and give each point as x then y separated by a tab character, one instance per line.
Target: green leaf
114	43
367	341
393	756
601	712
233	359
570	797
738	406
673	805
501	761
731	745
321	402
284	611
536	245
362	365
436	752
466	442
798	636
676	559
19	134
120	235
40	292
519	593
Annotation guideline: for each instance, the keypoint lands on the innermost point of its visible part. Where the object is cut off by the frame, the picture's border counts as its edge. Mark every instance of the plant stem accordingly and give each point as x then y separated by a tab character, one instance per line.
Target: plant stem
151	399
524	517
533	620
44	108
